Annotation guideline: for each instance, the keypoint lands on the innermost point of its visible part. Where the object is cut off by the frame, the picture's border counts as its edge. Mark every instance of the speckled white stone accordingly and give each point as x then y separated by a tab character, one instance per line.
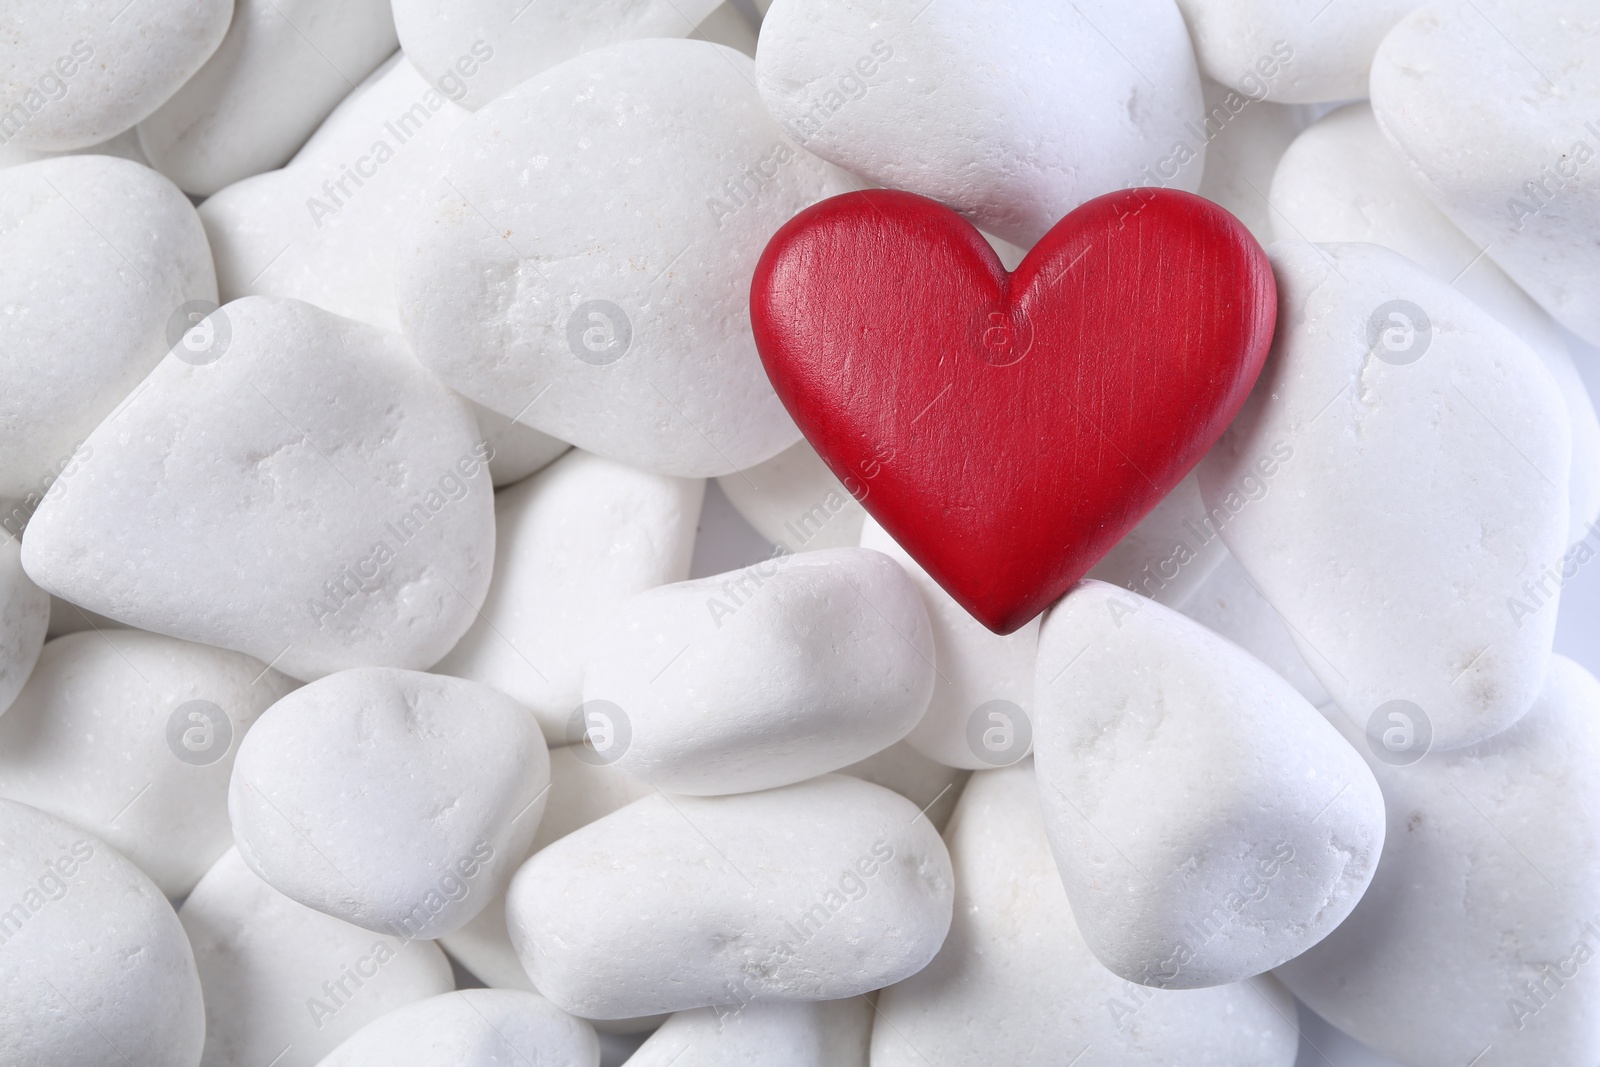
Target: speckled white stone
1015	983
573	542
472	1028
1481	928
94	964
1170	553
315	536
132	736
828	1033
793	500
96	254
24	619
1013	112
1207	822
817	891
768	675
1411	501
395	800
282	980
598	303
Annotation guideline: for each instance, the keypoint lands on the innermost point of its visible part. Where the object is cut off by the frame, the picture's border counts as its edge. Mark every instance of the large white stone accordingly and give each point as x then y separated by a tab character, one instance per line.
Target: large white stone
1015	983
1420	480
584	262
1207	822
94	964
793	500
828	1033
24	620
131	736
1464	89
281	67
395	800
284	982
1479	934
572	543
232	500
1012	112
817	891
472	1028
763	676
97	256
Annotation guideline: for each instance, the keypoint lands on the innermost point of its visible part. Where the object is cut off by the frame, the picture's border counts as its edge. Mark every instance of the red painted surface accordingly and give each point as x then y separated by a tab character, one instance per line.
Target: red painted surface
1008	430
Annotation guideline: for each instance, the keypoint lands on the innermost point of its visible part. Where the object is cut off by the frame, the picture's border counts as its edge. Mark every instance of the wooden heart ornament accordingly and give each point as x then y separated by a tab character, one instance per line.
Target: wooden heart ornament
1008	429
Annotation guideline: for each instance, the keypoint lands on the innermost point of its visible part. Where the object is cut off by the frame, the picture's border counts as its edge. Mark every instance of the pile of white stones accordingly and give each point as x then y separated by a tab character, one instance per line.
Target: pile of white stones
355	643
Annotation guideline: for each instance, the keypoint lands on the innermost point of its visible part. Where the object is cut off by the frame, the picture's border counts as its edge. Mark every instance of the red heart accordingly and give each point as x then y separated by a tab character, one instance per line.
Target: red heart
1008	430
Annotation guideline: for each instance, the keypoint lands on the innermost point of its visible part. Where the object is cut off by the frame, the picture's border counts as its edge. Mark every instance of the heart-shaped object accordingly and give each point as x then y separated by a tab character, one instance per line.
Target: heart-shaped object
1008	429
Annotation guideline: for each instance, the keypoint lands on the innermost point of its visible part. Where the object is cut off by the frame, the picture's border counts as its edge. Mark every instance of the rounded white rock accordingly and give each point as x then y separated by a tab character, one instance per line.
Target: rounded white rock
764	676
472	1028
598	304
1012	112
95	966
24	621
132	736
395	800
1207	822
775	1033
817	891
313	534
794	500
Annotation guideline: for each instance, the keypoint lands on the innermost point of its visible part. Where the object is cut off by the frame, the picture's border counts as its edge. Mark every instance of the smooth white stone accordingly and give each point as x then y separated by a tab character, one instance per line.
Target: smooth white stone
1170	553
472	1028
1412	499
96	257
1480	930
818	891
395	800
24	619
95	967
1342	180
282	980
1230	604
281	67
1248	136
76	74
982	698
828	1033
1012	112
1302	51
1463	88
1207	822
525	41
131	736
572	543
764	676
599	304
793	500
314	536
1015	983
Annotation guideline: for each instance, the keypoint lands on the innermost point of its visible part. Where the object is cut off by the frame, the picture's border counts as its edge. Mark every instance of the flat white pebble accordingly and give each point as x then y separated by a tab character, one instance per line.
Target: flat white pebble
794	500
94	964
1207	822
131	736
828	1033
817	891
24	620
472	1028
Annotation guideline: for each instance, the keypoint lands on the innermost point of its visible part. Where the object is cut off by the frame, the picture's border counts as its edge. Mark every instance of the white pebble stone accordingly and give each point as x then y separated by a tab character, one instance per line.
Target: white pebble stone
828	1033
1012	113
1482	925
1342	180
77	74
1015	983
1207	822
395	800
525	41
283	981
1170	553
1463	88
24	619
572	543
602	304
1230	605
1419	480
132	736
794	500
1302	51
281	67
764	676
472	1028
982	698
94	964
100	254
314	536
818	891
